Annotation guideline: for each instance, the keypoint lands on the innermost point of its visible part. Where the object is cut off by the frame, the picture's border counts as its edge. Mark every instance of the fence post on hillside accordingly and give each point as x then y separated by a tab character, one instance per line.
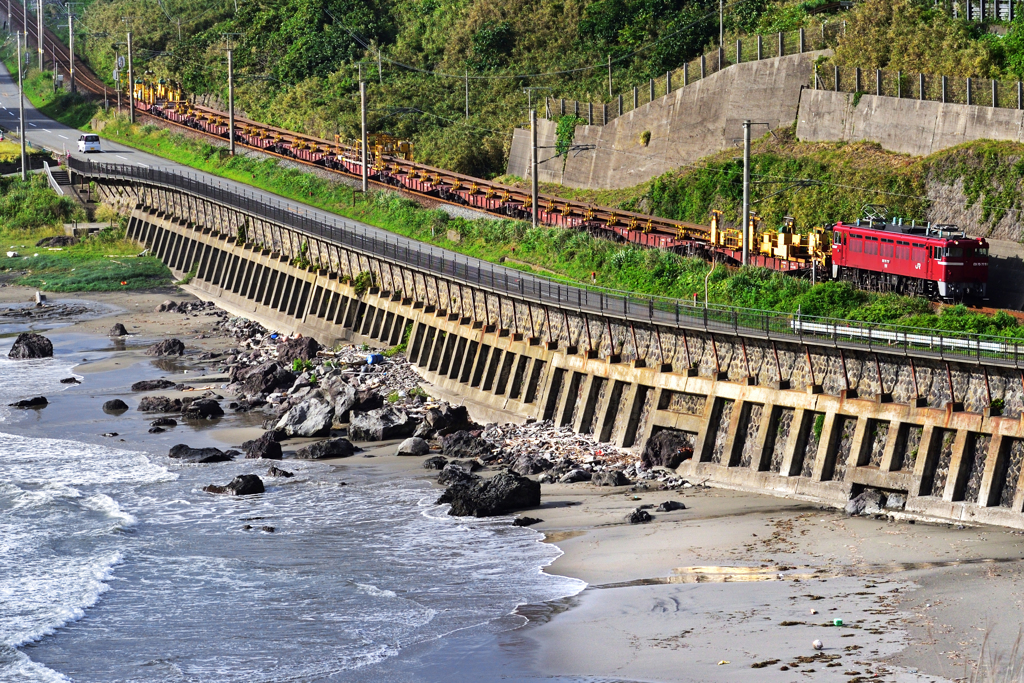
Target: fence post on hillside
590	113
561	105
620	104
899	84
944	89
652	90
969	91
856	80
1020	95
920	86
576	108
547	108
739	51
995	94
686	74
801	41
668	82
759	47
721	57
703	66
878	82
836	69
604	114
782	45
636	97
815	75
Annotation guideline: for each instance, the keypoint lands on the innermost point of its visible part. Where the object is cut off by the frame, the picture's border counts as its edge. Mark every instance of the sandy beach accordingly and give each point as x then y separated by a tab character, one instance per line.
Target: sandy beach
734	587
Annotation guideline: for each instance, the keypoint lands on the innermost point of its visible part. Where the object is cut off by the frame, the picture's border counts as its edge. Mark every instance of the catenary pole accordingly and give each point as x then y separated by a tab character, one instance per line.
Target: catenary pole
533	166
21	108
745	216
231	107
609	76
467	94
71	49
39	33
131	82
362	118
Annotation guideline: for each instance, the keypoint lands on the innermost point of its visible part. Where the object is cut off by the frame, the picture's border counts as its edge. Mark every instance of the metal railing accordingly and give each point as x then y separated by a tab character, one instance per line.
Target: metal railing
624	306
53	182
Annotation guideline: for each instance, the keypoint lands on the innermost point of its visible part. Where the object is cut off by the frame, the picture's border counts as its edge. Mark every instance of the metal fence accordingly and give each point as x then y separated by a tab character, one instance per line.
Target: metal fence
751	49
983	92
623	306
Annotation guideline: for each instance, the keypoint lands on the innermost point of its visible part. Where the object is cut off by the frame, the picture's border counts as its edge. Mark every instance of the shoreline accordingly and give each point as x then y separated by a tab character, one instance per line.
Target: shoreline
705	593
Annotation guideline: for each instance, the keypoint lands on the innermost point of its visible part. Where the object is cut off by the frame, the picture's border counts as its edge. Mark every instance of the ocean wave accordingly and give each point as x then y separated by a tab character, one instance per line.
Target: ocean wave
107	505
370	589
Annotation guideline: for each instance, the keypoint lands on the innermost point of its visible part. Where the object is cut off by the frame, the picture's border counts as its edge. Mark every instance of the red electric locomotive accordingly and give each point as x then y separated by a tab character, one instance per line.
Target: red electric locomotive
937	261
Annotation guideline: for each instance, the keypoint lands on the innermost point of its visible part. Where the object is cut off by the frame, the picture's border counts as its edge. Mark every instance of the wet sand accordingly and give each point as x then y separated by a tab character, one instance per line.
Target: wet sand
721	591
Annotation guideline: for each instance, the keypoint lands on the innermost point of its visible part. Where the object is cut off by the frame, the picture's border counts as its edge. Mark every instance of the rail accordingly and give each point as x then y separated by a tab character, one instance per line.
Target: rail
50	179
629	307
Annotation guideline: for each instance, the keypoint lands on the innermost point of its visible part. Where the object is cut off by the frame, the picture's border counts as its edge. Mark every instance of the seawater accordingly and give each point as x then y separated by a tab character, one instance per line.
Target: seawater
115	566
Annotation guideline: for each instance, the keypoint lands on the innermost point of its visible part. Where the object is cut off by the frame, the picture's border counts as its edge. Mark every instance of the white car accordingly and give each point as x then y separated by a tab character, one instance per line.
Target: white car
89	143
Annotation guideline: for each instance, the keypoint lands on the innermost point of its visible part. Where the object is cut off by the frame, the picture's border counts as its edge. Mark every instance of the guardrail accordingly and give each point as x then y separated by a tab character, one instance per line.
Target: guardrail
625	306
50	179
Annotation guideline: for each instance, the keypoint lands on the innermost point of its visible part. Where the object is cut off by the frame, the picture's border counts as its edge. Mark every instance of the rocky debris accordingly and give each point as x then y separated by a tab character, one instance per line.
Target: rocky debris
264	379
447	419
118	330
156	430
574	476
671	506
197	455
278	472
381	424
452	474
610	478
303	348
31	345
164	422
503	493
413	446
526	521
167	306
242	485
463	444
202	409
530	463
71	380
152	385
668	448
37	402
159	404
895	501
168	347
309	418
638	516
869	502
436	462
110	434
115	406
58	241
267	446
331	448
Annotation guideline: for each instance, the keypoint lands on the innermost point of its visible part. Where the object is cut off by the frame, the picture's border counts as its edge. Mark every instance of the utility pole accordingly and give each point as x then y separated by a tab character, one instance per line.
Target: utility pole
721	26
71	49
231	107
609	77
131	82
21	108
179	29
745	217
380	70
533	166
24	28
362	117
467	94
39	17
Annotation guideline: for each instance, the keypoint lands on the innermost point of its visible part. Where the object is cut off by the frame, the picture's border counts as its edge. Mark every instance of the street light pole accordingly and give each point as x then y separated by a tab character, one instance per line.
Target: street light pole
745	217
21	108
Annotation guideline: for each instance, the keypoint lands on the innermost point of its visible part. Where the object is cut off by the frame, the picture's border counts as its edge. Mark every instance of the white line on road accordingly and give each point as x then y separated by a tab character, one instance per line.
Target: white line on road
47	130
121	157
31	124
142	164
62	136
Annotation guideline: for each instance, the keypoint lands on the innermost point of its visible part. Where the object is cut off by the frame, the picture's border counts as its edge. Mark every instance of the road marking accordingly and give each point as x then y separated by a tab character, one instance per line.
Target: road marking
47	130
31	124
121	157
142	164
62	136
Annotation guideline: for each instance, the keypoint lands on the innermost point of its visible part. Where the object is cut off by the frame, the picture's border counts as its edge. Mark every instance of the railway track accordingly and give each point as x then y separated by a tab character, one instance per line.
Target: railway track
85	79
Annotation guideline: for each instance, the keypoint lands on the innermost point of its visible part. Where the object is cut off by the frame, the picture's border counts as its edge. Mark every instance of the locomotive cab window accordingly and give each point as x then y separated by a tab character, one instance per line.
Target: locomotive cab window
955	252
981	251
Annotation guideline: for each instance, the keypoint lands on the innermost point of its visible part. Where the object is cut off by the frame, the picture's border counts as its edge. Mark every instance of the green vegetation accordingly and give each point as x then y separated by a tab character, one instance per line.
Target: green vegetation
71	109
30	210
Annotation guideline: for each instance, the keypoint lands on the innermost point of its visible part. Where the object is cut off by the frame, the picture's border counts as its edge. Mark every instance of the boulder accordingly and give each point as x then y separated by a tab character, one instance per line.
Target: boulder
463	444
118	330
116	406
164	422
31	345
610	478
638	516
304	348
265	379
167	306
468	465
668	448
526	521
266	446
278	472
366	400
413	446
340	393
311	417
436	462
71	380
197	455
575	475
331	448
671	506
869	502
895	501
242	485
152	385
203	409
530	464
447	419
37	402
159	404
168	347
380	424
58	241
157	430
454	474
505	492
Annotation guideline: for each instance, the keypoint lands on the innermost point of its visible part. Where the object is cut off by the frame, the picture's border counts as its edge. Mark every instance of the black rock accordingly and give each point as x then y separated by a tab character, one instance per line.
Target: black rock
366	400
381	424
159	404
463	444
242	485
530	464
575	475
168	347
157	430
109	434
505	492
164	422
71	380
331	448
267	446
115	406
278	472
152	385
671	506
869	502
168	306
526	521
450	419
638	516
668	448
437	462
197	455
455	474
304	348
37	402
58	241
413	446
268	529
203	409
118	330
265	379
468	465
610	478
31	345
